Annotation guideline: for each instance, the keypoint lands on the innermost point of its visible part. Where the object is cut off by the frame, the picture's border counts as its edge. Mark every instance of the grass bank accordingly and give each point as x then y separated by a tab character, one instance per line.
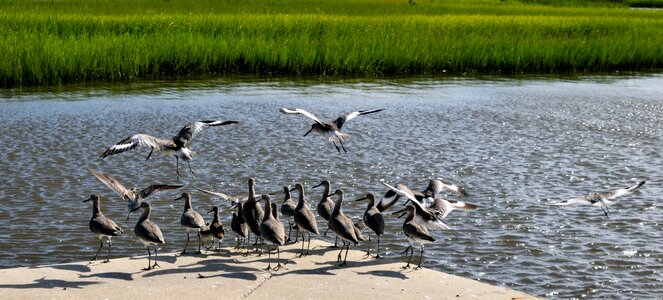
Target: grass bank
64	41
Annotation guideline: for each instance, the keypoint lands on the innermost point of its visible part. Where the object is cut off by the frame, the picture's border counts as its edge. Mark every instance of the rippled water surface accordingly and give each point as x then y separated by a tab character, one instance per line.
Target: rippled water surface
516	145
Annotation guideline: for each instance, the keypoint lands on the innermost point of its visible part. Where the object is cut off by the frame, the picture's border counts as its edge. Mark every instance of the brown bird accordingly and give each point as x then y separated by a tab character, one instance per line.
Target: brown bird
148	233
272	231
102	226
304	218
214	229
343	227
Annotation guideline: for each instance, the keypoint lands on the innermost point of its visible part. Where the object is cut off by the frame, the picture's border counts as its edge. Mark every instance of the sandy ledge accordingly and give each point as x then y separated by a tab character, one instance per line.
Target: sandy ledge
229	275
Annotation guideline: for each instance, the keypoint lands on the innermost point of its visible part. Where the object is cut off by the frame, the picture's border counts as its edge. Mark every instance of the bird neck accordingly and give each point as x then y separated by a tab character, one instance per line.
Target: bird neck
145	215
268	210
302	199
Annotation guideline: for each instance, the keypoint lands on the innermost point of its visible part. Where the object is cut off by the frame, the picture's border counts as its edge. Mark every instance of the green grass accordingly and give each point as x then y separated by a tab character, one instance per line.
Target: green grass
56	42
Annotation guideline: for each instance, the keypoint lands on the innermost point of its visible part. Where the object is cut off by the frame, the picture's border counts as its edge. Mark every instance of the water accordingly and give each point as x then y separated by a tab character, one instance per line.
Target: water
516	145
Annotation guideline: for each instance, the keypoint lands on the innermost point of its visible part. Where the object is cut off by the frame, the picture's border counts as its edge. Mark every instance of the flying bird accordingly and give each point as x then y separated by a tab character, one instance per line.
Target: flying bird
602	200
176	146
330	129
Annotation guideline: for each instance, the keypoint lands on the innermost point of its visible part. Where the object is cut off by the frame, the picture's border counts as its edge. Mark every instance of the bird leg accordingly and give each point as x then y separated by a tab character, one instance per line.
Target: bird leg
337	148
200	242
187	243
269	258
406	249
149	259
346	151
301	253
335	243
278	259
177	164
421	256
155	258
408	261
109	249
368	251
308	246
378	256
345	260
338	259
150	155
101	245
193	175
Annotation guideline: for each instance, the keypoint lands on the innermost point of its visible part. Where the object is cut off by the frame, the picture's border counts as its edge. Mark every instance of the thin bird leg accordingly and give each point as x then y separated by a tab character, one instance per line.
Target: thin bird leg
101	245
296	235
421	256
187	243
604	208
338	259
408	261
190	170
345	260
259	246
368	251
150	155
200	242
337	148
406	249
269	258
335	243
149	259
248	241
177	164
278	258
301	253
378	256
109	249
346	151
289	231
155	258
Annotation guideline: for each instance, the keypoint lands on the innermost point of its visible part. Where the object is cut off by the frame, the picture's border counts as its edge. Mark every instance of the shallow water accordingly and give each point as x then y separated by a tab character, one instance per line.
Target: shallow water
516	145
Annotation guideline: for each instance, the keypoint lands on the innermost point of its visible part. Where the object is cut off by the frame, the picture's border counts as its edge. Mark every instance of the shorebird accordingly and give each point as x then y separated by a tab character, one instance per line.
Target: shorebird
252	212
191	220
422	214
326	206
176	146
416	233
288	210
304	218
330	129
435	186
343	227
442	207
102	226
239	226
214	229
374	220
133	196
148	233
602	200
272	231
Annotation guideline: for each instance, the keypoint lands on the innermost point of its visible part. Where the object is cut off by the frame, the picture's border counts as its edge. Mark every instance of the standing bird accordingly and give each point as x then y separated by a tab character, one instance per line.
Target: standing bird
191	220
133	196
329	129
416	233
176	146
374	220
239	226
252	212
102	226
603	200
288	210
343	227
272	231
215	229
148	233
326	206
304	218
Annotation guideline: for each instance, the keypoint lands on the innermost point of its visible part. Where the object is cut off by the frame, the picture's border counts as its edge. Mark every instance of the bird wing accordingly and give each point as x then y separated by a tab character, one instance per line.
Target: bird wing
299	111
438	185
402	190
223	196
135	141
442	207
584	200
620	192
190	130
156	188
114	185
349	116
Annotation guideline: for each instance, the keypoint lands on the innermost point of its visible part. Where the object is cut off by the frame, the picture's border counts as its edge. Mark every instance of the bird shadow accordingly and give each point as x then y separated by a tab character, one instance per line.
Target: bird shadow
382	273
50	284
68	267
110	275
211	265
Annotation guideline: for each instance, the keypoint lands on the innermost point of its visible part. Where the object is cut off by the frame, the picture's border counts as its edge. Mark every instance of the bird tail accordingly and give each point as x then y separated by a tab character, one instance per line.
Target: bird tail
338	137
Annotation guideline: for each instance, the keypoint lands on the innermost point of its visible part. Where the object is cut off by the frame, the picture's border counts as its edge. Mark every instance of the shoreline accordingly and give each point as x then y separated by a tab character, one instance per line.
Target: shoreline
230	275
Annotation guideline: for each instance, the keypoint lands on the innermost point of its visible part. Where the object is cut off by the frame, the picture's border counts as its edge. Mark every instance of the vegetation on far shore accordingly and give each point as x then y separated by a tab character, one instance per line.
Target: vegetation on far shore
68	41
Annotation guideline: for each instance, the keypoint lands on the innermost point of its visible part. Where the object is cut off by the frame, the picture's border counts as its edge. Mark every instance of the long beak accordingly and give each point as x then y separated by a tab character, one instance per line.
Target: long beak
210	211
401	212
360	199
88	199
317	185
292	189
129	214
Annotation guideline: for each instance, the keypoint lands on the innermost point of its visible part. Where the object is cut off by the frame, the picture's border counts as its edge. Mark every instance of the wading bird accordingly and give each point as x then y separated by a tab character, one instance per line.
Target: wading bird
102	226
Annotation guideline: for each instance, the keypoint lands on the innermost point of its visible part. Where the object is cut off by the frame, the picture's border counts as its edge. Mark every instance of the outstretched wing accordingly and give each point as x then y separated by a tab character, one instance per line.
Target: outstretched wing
135	141
436	186
583	200
299	111
190	130
156	188
347	117
442	207
114	185
620	192
224	196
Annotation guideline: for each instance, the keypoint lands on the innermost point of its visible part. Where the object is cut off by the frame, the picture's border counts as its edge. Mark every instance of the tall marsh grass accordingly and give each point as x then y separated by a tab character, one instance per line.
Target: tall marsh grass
54	42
